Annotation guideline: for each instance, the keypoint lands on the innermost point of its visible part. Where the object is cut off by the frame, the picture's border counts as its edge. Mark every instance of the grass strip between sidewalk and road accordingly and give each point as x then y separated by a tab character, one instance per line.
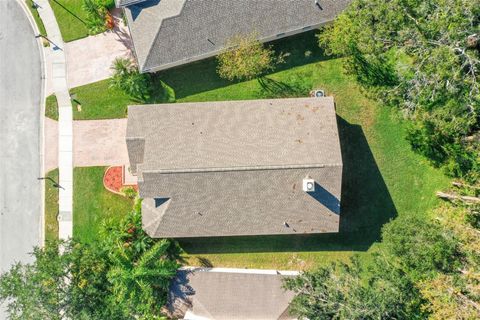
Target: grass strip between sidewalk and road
51	206
51	107
33	9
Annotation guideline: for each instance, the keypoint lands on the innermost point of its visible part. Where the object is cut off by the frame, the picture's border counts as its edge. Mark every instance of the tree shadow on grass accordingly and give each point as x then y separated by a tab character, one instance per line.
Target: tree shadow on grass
202	76
70	12
301	49
271	88
366	205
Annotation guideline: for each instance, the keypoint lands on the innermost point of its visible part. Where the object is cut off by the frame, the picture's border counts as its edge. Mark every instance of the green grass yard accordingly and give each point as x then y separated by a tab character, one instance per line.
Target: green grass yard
383	177
36	17
100	101
51	206
93	204
71	19
51	107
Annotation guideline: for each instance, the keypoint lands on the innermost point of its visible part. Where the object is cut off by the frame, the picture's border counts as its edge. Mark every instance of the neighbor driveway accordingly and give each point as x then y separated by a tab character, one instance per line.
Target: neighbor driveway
89	59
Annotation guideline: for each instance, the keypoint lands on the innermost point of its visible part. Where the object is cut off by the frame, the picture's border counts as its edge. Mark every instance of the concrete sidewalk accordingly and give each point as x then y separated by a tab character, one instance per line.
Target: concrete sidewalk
89	59
58	77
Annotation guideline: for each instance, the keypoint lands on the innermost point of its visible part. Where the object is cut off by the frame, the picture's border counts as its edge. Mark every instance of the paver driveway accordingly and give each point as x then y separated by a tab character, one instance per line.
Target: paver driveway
99	143
95	143
89	59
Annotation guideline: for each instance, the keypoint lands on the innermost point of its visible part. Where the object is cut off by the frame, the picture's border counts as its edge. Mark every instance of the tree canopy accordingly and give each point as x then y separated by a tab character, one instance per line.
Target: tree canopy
413	250
423	57
245	58
125	276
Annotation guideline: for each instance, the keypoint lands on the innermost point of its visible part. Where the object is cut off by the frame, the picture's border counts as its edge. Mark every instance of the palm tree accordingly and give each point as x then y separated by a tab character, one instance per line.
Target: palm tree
142	285
126	77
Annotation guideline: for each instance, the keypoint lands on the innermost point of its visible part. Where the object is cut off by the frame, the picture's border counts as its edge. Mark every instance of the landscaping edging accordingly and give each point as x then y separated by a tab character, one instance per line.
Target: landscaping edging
112	188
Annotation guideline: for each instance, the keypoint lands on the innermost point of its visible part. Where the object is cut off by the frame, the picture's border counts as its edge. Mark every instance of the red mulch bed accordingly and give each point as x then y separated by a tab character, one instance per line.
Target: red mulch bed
112	180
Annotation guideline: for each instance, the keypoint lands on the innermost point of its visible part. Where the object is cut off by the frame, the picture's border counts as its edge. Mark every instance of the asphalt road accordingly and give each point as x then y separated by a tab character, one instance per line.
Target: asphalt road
20	91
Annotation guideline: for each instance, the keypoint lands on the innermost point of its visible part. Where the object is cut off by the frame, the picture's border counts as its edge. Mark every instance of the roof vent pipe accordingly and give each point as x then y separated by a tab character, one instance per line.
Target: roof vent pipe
308	185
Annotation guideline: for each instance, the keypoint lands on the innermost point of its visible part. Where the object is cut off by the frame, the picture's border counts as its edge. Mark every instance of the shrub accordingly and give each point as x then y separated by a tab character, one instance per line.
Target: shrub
96	15
127	78
108	4
245	58
129	192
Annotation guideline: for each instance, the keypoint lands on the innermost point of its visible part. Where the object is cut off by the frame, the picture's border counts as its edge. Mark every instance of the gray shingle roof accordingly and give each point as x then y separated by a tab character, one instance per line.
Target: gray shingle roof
236	167
124	3
173	32
236	294
249	133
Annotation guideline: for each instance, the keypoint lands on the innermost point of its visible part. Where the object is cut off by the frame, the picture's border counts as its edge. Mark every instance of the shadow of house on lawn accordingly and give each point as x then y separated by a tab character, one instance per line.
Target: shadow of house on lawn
366	205
302	49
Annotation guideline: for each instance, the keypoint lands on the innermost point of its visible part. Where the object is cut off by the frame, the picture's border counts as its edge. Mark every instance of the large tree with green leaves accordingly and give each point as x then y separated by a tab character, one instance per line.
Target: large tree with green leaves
245	58
123	276
414	250
424	57
141	267
66	278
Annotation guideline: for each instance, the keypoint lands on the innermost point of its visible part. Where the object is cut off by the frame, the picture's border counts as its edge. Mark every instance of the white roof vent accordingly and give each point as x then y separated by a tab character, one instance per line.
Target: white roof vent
308	185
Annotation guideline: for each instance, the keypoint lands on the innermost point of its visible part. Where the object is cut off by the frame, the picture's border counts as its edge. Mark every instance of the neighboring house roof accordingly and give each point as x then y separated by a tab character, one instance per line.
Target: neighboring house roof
236	167
230	294
168	33
124	3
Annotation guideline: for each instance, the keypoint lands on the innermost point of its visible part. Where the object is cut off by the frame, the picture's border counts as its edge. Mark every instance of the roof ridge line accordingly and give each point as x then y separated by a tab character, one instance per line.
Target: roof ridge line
242	168
158	32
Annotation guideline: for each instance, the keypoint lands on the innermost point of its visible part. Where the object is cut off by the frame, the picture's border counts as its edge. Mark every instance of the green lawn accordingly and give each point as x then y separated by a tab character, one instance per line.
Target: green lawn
51	107
100	101
51	206
383	178
36	17
70	18
92	203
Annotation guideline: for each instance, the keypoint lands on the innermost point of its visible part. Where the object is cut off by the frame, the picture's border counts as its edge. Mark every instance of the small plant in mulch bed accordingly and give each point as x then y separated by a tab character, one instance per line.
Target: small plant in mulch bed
129	192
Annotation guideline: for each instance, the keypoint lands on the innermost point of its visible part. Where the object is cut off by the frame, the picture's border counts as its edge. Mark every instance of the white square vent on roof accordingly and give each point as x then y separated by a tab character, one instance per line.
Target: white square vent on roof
308	185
